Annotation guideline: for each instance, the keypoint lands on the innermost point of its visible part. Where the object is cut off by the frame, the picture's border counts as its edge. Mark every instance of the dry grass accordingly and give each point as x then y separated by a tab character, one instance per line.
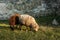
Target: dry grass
45	33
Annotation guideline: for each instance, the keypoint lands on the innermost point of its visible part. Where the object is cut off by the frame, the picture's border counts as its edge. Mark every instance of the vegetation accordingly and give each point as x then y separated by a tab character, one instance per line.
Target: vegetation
44	33
47	20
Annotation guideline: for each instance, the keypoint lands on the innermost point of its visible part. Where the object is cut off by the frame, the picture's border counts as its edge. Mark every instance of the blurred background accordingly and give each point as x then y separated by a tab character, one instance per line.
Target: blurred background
44	11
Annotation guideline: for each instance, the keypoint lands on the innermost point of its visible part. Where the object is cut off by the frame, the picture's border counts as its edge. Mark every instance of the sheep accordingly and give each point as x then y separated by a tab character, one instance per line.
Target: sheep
23	19
14	20
28	21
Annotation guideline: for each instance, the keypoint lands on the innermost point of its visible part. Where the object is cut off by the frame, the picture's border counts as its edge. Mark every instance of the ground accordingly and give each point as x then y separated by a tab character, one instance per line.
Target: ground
45	33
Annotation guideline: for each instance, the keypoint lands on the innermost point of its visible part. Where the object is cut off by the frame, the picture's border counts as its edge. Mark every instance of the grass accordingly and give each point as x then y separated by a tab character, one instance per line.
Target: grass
45	33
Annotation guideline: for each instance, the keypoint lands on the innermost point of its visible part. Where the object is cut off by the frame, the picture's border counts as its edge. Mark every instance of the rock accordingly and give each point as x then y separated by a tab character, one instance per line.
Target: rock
54	22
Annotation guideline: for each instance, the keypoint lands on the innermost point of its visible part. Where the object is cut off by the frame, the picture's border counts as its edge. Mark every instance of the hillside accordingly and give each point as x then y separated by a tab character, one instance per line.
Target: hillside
30	7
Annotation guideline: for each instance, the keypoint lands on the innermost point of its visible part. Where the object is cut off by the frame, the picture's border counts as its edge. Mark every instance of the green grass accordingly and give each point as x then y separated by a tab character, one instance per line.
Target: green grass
45	33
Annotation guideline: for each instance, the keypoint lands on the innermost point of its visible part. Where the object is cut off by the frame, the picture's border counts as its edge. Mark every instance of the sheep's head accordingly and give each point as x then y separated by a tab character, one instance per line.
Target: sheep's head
36	27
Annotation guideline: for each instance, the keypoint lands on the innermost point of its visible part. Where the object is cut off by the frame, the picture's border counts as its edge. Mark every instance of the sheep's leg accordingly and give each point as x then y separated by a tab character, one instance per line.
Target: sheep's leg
17	26
30	27
26	28
20	27
12	27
